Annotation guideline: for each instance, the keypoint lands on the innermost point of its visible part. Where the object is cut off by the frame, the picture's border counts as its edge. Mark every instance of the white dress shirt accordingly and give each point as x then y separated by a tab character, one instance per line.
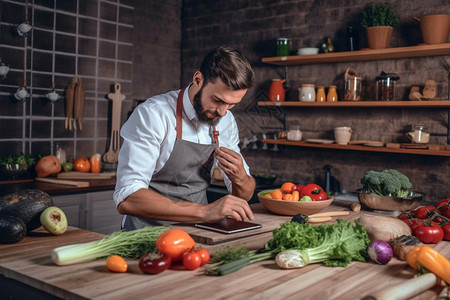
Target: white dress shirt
149	136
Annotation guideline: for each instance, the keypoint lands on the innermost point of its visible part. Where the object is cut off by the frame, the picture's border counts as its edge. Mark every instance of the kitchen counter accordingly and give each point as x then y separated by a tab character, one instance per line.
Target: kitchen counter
26	266
11	186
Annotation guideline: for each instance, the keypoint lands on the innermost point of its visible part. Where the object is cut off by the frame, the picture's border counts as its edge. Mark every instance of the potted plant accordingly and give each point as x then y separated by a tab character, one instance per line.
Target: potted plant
379	20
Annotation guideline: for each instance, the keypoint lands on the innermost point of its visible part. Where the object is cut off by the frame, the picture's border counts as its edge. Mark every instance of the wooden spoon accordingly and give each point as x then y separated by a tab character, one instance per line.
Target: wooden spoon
70	92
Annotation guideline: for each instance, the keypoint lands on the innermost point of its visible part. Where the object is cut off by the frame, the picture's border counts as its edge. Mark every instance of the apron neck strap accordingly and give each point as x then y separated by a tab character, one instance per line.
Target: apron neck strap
179	114
180	118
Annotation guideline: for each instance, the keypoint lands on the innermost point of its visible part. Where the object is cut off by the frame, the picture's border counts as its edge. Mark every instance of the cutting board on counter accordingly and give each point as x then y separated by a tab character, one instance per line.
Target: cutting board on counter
64	182
415	146
268	220
85	175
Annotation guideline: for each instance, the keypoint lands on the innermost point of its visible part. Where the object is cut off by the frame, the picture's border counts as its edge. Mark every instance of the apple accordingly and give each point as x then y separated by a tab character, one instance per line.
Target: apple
68	166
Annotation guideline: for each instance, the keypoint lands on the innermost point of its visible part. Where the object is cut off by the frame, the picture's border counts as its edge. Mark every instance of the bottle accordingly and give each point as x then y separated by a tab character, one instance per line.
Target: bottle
320	96
350	42
332	94
329	47
60	154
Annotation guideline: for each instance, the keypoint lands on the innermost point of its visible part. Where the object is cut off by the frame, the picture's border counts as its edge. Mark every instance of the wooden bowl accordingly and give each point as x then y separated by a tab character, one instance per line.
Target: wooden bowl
390	203
291	208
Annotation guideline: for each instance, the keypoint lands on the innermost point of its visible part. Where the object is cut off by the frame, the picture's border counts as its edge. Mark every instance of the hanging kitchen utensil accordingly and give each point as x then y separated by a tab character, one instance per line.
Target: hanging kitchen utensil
78	104
70	93
112	154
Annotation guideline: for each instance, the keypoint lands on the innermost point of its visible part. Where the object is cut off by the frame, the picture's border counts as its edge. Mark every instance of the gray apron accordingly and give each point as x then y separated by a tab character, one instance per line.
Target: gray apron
185	176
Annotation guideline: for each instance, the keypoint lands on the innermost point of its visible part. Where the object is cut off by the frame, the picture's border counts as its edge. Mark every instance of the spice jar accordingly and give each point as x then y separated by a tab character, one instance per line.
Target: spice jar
332	94
385	86
283	46
307	93
320	95
294	133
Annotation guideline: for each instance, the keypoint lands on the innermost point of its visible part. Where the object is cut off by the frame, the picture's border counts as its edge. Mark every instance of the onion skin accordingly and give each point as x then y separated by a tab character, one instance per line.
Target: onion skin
380	252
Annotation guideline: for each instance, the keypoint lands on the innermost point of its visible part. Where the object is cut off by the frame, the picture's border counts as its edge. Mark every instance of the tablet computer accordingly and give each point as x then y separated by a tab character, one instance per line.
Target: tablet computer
229	225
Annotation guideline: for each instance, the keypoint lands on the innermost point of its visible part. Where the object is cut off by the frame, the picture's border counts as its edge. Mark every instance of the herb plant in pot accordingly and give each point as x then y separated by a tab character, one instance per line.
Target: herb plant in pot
379	20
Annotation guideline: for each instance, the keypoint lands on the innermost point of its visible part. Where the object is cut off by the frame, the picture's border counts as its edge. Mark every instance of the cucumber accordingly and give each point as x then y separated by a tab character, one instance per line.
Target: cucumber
12	229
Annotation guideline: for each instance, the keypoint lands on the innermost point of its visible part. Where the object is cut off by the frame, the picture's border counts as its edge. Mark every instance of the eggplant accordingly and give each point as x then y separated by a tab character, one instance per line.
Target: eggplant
12	229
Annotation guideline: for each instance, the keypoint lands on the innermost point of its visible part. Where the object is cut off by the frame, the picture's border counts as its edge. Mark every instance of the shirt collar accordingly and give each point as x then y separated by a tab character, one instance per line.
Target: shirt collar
187	105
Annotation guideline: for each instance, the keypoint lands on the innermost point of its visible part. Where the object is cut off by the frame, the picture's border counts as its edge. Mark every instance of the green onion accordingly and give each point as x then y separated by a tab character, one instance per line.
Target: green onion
128	244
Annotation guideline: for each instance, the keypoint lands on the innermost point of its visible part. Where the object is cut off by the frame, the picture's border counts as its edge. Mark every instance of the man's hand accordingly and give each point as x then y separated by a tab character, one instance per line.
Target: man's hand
232	165
228	206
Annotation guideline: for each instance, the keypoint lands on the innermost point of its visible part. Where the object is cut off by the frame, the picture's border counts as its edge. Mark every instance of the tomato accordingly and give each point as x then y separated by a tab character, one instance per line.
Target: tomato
405	216
314	191
192	260
95	162
423	212
288	187
82	164
204	255
116	263
443	206
429	233
413	223
277	194
174	243
446	229
154	262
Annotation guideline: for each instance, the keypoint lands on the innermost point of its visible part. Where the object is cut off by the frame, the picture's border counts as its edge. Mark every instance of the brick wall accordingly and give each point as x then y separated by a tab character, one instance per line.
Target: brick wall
253	27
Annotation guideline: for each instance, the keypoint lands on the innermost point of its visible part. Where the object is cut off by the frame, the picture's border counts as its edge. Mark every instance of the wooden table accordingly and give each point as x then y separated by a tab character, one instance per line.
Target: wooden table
26	267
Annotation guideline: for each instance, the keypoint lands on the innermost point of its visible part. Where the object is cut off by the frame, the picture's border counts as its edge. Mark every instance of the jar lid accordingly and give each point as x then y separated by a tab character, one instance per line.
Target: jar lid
332	86
307	85
283	39
391	76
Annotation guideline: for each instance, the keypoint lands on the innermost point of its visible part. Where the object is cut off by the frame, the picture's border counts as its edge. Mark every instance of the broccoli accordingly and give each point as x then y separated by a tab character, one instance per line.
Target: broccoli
389	182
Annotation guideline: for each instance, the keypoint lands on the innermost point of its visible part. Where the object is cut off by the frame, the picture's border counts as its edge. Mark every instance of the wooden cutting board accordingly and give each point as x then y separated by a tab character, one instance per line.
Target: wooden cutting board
64	182
415	146
85	175
268	220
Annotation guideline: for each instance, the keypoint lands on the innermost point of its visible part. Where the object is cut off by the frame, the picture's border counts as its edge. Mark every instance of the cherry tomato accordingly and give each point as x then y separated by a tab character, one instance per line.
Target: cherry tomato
204	255
405	216
174	243
314	191
443	206
429	233
116	263
192	260
81	165
413	223
154	262
423	212
446	229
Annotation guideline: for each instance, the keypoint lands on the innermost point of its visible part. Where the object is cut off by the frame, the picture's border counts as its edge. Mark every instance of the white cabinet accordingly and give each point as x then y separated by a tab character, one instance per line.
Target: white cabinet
94	211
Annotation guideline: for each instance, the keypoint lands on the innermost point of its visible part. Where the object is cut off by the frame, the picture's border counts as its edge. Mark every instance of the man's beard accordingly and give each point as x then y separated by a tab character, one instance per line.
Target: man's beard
199	110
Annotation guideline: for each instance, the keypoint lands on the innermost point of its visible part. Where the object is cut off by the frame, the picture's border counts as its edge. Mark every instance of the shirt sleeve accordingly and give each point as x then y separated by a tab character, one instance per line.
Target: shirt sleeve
142	136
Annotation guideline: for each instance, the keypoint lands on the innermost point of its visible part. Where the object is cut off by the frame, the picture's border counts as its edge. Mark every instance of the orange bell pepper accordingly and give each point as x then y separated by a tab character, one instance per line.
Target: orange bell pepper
430	259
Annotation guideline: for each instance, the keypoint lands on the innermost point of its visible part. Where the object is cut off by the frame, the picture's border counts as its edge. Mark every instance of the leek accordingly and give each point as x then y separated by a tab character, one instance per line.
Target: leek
128	244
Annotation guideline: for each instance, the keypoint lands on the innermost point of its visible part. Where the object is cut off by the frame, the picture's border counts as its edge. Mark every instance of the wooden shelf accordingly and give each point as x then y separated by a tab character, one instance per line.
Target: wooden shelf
443	103
361	55
357	147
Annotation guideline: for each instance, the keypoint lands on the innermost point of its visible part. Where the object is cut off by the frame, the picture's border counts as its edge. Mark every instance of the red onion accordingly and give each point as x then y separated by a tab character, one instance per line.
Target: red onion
380	252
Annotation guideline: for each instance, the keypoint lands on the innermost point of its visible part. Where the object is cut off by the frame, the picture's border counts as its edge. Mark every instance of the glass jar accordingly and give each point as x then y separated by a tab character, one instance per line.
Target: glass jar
294	133
332	94
353	89
307	93
60	154
385	86
283	46
320	95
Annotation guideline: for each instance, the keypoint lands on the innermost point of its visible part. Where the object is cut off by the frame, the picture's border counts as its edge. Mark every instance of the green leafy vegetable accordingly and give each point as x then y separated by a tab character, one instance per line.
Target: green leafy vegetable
334	245
128	244
23	160
389	183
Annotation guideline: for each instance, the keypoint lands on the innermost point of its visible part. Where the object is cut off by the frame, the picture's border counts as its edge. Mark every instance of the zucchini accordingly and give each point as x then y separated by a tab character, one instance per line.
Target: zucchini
12	229
26	205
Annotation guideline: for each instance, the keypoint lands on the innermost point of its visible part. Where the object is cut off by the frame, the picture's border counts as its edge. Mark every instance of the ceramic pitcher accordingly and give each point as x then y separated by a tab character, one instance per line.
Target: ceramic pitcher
277	91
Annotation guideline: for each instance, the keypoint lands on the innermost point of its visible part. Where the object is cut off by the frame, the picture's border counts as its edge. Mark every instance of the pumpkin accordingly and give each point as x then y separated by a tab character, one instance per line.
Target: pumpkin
47	166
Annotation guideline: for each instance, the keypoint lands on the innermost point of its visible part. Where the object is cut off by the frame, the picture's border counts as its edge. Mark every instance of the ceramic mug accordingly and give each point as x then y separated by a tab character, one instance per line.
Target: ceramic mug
342	135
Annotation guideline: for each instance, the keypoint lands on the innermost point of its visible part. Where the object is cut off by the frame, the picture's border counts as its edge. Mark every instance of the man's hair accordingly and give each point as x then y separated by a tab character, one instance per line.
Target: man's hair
230	65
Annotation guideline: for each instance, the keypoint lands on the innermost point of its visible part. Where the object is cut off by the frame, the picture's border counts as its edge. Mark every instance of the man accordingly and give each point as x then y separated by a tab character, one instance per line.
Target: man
171	143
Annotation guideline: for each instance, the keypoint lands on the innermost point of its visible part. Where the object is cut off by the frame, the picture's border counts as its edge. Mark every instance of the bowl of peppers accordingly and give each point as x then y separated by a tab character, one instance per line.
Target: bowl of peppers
291	199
